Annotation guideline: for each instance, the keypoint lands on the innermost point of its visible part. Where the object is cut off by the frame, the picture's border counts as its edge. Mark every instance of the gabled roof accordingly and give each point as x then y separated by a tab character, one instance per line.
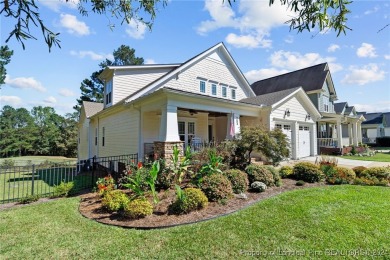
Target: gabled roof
155	84
339	107
92	108
269	99
373	118
106	72
348	110
310	79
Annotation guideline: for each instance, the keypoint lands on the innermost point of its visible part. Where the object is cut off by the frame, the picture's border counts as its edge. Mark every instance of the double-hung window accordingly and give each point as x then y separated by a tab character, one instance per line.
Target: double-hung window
213	89
202	86
224	91
233	92
108	92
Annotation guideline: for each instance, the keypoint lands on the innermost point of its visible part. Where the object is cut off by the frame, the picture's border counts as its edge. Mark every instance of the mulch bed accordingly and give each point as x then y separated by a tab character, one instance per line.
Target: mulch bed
90	207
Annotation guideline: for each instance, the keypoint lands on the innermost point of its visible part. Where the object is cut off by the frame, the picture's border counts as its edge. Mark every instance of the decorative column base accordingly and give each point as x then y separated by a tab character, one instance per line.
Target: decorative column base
164	150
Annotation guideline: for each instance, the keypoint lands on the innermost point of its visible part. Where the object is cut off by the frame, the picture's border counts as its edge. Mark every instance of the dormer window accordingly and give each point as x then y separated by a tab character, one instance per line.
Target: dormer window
233	92
213	89
202	86
224	91
108	93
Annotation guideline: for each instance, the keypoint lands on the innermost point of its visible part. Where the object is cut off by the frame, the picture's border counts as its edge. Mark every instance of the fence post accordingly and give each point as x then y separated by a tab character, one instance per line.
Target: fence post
32	179
93	171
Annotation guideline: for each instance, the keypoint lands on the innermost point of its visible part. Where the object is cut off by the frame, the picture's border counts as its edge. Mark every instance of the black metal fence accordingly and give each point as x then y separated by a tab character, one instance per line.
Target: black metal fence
18	182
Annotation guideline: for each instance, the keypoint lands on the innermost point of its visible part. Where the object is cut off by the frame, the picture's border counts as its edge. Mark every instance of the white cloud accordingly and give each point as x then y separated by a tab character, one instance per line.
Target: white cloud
366	51
10	100
255	75
73	25
58	4
253	20
92	55
136	29
333	47
24	83
382	106
295	60
289	39
363	75
51	100
150	61
387	57
247	41
371	11
66	92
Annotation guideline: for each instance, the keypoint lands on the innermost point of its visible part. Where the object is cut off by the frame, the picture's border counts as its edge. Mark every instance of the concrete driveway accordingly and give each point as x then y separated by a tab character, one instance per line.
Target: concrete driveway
341	162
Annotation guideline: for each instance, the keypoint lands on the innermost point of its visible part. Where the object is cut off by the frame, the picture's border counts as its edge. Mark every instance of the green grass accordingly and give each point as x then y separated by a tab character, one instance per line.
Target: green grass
28	160
381	148
321	220
378	157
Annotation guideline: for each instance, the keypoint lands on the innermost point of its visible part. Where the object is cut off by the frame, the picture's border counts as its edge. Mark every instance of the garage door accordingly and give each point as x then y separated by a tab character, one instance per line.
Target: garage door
303	141
286	129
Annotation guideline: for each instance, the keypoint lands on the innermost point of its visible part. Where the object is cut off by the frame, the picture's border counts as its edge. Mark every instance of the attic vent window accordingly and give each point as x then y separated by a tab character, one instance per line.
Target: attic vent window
108	92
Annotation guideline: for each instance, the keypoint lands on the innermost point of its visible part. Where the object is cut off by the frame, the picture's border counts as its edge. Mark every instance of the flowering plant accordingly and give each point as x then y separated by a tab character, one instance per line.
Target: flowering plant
105	184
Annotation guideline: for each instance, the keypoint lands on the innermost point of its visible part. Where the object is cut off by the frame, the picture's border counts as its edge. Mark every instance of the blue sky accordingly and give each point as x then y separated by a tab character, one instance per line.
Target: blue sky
254	33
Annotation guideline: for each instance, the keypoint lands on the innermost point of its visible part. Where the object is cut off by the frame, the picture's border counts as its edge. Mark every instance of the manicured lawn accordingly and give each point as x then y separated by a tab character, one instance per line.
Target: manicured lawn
378	157
28	160
311	222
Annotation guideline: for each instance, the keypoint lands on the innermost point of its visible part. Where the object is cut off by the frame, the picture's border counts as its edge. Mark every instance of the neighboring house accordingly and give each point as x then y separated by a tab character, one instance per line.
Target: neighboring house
148	109
373	127
317	82
387	120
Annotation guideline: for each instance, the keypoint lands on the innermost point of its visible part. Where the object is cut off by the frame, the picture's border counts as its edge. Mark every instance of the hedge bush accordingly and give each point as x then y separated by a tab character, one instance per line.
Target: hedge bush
275	175
238	180
286	171
138	208
193	199
307	172
378	176
115	200
217	187
340	175
260	173
358	170
258	186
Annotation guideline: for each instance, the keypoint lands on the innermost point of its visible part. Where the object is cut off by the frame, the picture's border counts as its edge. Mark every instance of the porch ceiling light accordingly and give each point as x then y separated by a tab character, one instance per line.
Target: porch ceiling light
287	113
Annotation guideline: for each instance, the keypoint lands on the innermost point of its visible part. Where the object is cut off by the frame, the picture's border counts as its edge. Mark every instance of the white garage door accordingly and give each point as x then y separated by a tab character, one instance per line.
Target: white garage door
286	129
303	141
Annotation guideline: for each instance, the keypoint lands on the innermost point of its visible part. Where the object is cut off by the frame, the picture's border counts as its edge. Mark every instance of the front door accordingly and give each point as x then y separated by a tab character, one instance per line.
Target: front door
186	131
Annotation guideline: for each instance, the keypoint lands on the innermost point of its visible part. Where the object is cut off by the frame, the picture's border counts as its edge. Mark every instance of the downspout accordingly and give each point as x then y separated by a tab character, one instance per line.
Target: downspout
98	143
139	131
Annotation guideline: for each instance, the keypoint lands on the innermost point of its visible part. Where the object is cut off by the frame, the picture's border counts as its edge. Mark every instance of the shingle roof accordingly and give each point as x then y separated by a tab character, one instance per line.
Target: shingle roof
92	108
348	110
270	98
338	107
373	118
311	78
387	118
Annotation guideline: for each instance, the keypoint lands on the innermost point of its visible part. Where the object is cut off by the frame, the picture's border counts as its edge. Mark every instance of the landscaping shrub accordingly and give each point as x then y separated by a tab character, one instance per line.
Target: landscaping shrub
307	172
115	200
275	175
138	208
285	171
105	184
217	187
165	179
378	176
259	173
63	189
340	175
300	183
29	199
358	170
192	199
238	179
258	186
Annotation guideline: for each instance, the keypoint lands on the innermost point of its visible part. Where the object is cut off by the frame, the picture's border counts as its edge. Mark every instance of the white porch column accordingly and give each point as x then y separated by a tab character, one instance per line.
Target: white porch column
359	132
354	133
233	126
313	143
339	134
169	131
294	140
350	133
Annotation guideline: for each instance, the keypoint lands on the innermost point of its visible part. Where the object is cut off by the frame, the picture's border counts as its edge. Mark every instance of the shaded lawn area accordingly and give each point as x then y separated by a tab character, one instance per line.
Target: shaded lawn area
378	157
305	222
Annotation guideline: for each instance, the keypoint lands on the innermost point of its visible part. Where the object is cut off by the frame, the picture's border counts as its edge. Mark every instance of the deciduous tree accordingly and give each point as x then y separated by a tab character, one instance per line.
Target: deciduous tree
5	58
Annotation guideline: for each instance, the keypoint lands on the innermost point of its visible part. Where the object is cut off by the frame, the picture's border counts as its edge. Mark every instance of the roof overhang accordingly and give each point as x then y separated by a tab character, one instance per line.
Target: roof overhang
109	71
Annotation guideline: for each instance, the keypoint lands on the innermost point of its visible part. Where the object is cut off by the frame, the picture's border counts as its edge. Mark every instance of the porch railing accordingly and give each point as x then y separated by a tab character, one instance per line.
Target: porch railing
327	142
369	140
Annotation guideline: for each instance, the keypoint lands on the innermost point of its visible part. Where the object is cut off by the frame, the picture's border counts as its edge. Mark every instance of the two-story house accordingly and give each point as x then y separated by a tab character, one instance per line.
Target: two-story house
339	125
148	109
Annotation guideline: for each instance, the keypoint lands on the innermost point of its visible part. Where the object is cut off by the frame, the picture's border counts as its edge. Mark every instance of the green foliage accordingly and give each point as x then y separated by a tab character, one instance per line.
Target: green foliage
260	173
29	199
275	175
212	166
8	163
138	208
308	172
136	180
258	186
180	166
378	176
115	200
353	150
188	200
238	179
63	189
340	175
5	58
300	183
358	170
285	171
165	178
152	178
105	184
217	187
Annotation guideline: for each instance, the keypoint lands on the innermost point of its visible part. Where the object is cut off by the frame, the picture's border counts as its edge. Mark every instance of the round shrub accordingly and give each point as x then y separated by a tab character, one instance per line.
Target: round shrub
340	175
307	172
193	199
358	170
138	208
259	173
238	179
115	200
381	173
165	178
275	175
285	171
300	183
258	186
217	187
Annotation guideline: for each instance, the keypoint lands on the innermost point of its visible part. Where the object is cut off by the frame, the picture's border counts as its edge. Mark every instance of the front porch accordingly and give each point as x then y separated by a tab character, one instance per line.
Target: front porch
336	134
